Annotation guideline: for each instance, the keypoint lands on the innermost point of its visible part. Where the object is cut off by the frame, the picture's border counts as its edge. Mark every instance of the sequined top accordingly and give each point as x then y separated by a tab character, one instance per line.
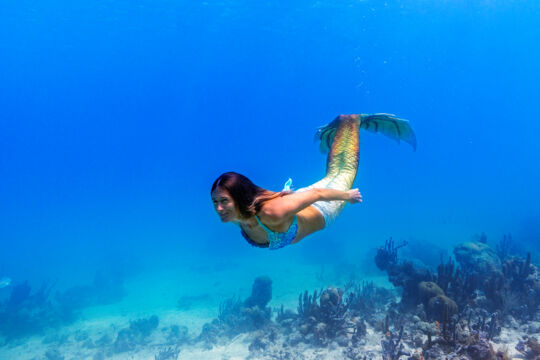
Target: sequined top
276	240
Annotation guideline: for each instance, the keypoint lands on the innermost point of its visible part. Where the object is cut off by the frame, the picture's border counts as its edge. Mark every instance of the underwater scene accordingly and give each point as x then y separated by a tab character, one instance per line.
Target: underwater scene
285	180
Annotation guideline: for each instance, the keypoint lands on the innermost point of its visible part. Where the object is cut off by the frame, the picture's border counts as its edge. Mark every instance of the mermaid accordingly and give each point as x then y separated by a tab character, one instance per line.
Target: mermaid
270	219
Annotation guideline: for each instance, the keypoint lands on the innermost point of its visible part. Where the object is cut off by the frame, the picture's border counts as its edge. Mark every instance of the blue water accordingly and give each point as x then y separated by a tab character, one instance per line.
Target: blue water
117	116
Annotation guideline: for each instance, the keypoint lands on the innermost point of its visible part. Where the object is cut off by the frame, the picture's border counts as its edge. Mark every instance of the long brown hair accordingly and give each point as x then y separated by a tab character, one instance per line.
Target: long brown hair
248	197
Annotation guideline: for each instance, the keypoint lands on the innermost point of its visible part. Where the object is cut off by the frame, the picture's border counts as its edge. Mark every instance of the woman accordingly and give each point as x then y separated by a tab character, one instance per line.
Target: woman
273	220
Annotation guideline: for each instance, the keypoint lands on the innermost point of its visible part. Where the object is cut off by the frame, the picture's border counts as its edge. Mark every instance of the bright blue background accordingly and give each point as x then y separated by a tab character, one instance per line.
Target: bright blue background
116	117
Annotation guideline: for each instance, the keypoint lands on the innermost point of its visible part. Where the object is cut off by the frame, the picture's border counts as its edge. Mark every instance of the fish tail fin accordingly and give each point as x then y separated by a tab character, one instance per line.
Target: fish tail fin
387	124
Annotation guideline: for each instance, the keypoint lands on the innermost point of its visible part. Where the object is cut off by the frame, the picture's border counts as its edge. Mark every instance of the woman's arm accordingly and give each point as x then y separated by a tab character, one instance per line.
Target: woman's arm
288	205
353	196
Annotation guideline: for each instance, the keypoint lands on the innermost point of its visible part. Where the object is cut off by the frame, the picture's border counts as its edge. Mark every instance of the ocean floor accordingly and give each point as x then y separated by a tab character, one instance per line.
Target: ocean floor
171	314
187	297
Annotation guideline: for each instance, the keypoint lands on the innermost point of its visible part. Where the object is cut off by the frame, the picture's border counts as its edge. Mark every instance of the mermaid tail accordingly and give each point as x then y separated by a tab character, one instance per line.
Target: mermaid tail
387	124
341	139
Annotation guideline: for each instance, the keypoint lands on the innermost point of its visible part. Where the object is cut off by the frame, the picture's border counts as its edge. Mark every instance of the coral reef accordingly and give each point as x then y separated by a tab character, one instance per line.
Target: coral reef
323	321
392	347
169	353
529	348
26	313
135	335
468	304
402	274
505	247
464	309
331	318
477	258
237	316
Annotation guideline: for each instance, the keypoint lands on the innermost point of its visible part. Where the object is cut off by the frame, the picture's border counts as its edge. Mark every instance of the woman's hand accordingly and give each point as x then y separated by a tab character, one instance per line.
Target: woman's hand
354	196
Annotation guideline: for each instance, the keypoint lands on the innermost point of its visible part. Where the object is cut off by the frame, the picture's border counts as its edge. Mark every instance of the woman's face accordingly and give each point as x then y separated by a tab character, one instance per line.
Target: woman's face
224	205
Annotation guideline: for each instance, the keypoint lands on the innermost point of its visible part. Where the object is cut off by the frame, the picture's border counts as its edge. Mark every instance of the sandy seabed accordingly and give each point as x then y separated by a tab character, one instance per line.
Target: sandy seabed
211	288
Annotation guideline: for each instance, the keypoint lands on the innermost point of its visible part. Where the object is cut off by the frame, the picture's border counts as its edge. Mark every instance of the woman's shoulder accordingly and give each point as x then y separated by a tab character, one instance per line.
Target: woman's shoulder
272	213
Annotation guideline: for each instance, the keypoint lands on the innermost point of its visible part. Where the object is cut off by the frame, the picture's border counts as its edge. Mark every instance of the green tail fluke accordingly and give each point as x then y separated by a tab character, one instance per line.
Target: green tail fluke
341	140
386	124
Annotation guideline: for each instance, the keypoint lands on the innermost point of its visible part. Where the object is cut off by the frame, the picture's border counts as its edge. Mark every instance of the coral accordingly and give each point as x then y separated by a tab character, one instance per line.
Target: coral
210	334
445	275
392	347
367	298
521	286
403	275
496	292
169	353
456	284
478	258
307	304
425	254
263	340
25	313
433	353
517	271
144	327
284	317
129	338
529	348
236	316
354	354
441	306
261	293
177	335
105	289
504	247
480	350
387	255
324	320
428	290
